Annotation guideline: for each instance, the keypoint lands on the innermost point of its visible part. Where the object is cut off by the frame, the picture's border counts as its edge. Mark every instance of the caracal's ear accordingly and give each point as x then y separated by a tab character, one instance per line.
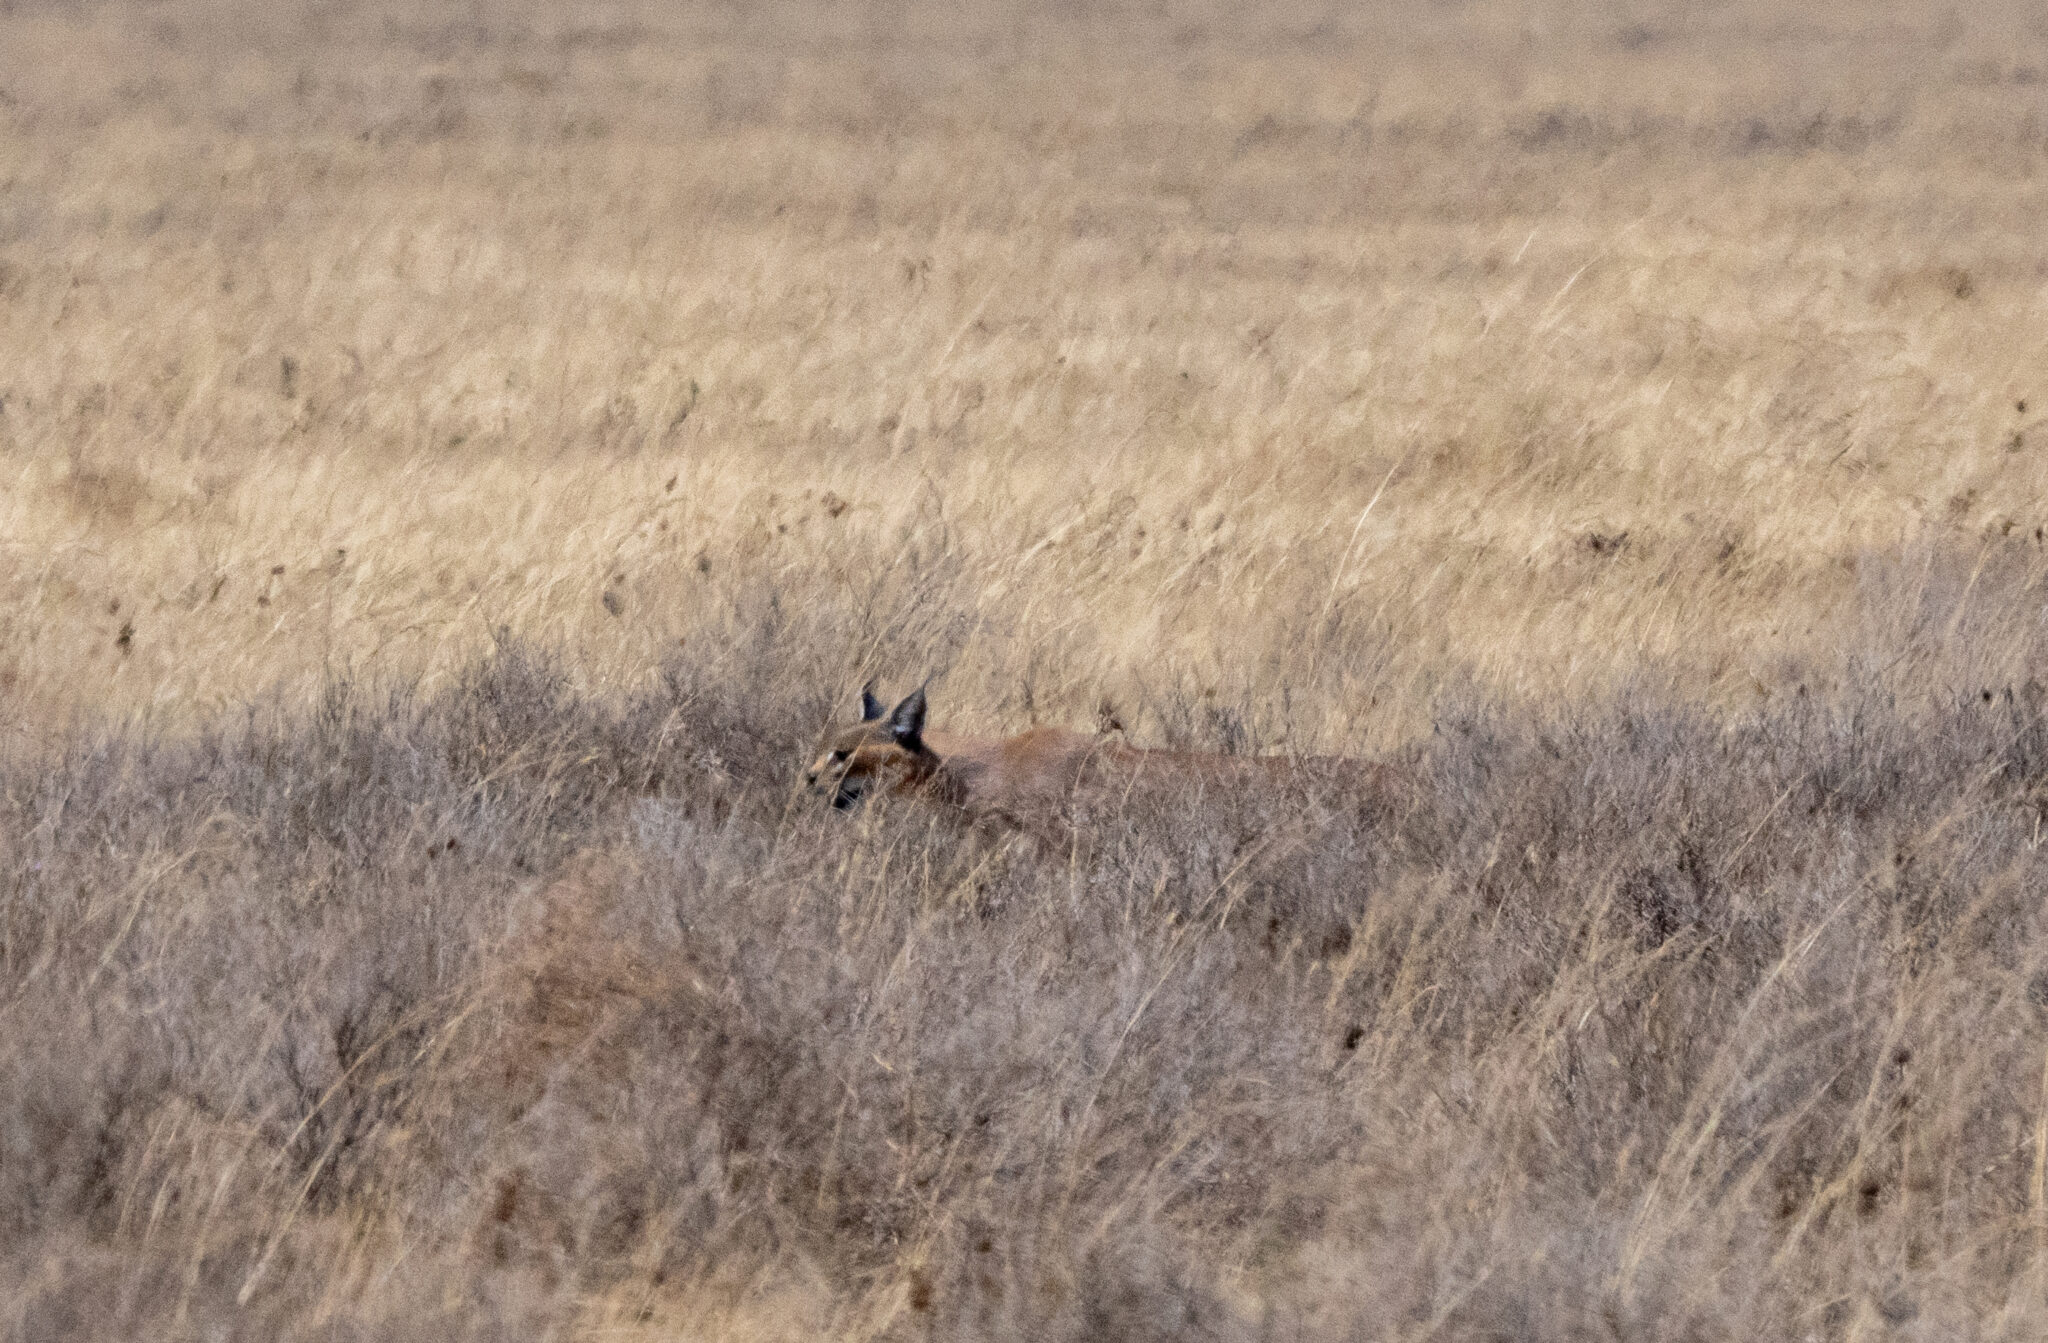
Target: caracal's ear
870	707
907	723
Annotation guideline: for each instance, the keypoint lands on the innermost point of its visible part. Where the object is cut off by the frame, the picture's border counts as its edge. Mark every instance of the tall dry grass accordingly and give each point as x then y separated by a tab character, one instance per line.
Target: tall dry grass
456	460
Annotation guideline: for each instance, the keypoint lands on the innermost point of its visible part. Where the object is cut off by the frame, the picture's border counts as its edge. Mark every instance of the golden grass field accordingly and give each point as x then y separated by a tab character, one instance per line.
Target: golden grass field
1299	379
1135	315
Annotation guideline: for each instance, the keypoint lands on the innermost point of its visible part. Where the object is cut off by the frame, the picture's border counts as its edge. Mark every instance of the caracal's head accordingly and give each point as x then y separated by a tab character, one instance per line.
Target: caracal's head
882	753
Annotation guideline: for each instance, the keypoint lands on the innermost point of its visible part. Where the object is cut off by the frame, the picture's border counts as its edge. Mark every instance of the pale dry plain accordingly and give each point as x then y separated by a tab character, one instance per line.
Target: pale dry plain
453	458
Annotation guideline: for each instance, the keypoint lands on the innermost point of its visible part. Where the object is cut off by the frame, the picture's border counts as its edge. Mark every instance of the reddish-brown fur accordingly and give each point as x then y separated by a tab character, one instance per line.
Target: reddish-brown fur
1042	774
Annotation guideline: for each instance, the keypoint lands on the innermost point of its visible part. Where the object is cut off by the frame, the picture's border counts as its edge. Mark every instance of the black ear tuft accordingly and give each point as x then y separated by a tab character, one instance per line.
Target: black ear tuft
870	707
907	723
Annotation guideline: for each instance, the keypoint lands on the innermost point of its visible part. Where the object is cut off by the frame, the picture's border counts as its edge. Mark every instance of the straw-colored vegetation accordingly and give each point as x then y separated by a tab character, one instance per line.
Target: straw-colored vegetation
454	459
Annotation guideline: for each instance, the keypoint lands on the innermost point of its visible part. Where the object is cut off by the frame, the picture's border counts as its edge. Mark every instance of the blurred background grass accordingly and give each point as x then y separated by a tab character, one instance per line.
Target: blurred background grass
1539	344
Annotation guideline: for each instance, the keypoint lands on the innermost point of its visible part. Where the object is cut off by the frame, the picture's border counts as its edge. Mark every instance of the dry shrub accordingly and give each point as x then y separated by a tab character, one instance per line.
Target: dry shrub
1637	1016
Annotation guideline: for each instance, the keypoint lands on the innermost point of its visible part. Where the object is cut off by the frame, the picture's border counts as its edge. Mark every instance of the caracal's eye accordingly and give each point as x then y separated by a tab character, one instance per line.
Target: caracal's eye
839	756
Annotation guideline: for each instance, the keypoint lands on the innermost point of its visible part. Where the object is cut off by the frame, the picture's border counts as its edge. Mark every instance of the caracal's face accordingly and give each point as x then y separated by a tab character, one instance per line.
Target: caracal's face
854	761
871	756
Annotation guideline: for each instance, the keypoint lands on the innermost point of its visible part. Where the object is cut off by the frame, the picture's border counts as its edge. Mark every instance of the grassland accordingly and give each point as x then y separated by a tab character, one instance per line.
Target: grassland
456	458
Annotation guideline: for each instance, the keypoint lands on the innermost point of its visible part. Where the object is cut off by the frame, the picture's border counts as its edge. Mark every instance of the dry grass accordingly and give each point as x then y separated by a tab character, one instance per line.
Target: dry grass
455	460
